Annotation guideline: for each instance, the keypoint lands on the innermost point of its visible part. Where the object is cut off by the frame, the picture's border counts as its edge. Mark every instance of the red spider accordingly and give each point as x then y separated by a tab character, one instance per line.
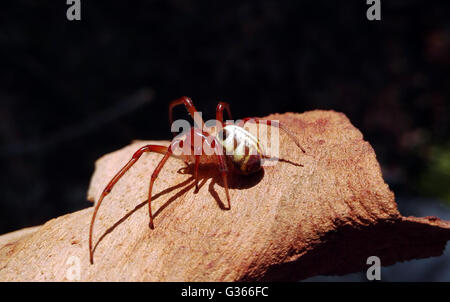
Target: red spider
247	160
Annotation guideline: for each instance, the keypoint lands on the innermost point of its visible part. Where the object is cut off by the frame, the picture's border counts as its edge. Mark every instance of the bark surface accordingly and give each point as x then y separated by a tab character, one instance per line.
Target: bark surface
323	212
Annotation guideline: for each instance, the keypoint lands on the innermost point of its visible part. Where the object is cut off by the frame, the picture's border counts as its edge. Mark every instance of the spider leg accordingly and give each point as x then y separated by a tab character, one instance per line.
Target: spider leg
152	180
224	172
275	124
214	144
222	167
219	112
196	165
190	139
114	180
189	107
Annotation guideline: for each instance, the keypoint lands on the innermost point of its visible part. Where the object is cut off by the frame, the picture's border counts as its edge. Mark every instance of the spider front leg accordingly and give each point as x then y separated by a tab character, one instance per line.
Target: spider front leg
196	165
219	112
187	102
224	172
193	149
115	179
152	180
203	138
223	169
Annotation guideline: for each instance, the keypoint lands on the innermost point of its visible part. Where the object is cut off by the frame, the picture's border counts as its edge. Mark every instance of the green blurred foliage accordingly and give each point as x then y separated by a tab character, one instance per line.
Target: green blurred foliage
435	181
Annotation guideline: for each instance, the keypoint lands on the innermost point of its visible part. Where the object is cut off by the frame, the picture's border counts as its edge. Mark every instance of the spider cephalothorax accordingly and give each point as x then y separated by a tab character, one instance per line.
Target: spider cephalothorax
229	146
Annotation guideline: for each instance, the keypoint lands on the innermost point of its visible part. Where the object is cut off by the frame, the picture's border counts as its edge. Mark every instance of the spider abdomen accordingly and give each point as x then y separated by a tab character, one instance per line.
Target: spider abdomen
242	149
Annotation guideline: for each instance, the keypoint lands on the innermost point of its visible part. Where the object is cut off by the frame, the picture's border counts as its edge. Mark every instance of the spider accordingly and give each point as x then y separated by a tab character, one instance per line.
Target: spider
238	149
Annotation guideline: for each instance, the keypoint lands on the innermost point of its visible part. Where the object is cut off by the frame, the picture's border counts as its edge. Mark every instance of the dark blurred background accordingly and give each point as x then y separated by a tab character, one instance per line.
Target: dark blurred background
71	91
